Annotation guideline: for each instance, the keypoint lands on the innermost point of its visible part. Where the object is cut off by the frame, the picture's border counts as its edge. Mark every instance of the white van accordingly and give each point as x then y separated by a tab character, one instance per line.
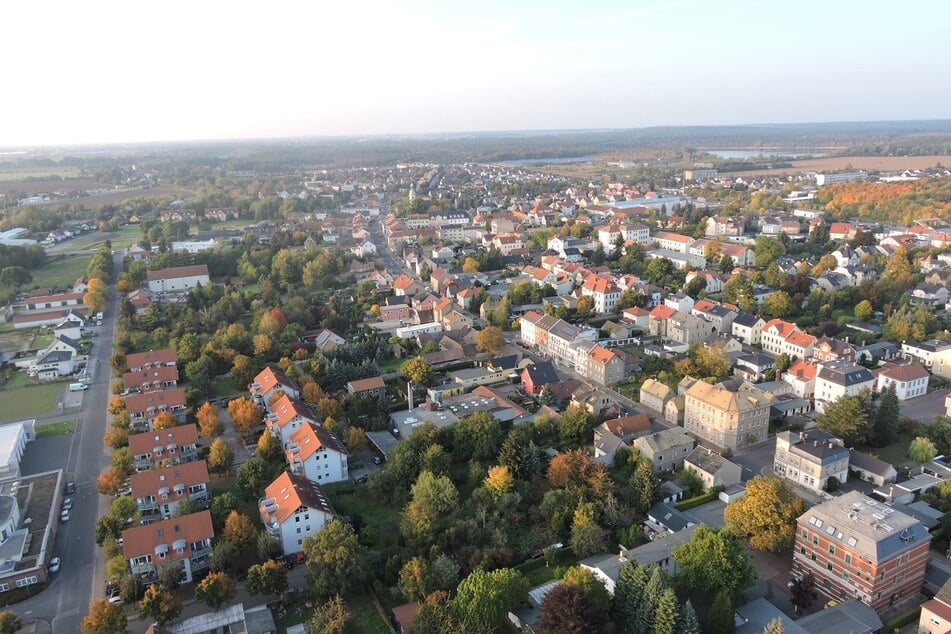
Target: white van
77	387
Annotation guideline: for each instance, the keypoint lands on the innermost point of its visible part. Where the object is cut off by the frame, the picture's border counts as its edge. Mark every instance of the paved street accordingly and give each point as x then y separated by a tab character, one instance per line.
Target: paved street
64	602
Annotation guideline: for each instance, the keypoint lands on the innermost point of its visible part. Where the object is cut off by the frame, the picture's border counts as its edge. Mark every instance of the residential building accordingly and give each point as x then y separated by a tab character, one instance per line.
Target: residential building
613	434
52	364
726	416
603	366
923	352
910	379
748	328
372	386
828	349
666	449
317	454
935	615
810	459
658	320
164	446
604	292
781	337
294	508
801	375
162	377
185	539
158	492
270	381
606	567
177	279
139	361
597	402
871	469
144	407
688	329
856	547
714	470
286	415
536	376
672	241
840	378
655	395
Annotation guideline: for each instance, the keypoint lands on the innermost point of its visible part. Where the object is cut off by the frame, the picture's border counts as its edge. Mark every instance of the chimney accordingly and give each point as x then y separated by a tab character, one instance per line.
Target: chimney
830	444
802	435
621	556
815	443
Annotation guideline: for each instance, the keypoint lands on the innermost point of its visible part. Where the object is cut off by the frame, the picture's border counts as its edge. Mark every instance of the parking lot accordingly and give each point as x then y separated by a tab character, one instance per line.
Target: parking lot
925	408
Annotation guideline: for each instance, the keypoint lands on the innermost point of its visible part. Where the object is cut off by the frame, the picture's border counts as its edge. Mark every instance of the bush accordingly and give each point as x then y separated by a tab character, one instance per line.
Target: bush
902	620
690	503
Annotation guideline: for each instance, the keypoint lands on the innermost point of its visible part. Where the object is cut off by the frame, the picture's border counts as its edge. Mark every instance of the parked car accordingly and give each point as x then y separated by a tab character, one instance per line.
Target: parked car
64	516
70	488
54	565
68	504
115	595
377	460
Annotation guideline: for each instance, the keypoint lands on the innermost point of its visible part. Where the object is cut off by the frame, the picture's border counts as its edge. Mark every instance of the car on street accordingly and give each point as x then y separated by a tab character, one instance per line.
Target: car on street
54	565
115	595
70	488
377	460
64	516
68	504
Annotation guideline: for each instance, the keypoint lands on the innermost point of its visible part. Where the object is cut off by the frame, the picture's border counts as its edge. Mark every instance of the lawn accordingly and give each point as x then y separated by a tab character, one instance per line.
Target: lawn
41	341
60	271
364	617
350	500
895	453
223	386
29	401
56	429
393	365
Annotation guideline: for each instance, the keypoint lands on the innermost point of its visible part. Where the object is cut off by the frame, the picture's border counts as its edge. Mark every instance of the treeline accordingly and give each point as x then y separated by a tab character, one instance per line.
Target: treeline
31	256
889	202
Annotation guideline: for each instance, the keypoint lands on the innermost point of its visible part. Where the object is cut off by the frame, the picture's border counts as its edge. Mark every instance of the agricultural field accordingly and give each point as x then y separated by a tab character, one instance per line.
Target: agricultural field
44	180
120	196
875	163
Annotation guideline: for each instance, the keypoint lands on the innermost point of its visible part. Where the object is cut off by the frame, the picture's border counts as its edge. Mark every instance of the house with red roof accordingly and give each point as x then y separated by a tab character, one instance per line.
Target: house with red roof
604	292
910	379
164	446
294	508
286	415
271	380
158	492
317	454
657	320
186	539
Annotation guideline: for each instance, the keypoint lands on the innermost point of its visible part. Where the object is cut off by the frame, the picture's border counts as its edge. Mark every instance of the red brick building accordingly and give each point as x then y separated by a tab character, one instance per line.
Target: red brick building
858	548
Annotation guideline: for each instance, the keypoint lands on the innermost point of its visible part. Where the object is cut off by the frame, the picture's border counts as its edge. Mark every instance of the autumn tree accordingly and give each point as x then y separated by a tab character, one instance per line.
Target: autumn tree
209	423
109	481
592	586
846	418
490	340
778	305
864	310
95	296
159	605
331	617
269	447
101	618
215	590
470	265
244	415
585	307
499	481
116	405
418	371
115	437
269	577
434	499
766	515
420	577
567	608
239	532
586	539
220	456
164	420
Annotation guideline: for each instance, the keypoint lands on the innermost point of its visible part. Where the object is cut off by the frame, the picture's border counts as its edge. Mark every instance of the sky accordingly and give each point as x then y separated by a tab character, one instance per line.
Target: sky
105	71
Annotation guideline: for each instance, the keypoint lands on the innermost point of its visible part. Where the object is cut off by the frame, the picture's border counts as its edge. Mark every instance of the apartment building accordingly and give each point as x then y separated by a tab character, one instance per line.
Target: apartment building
317	454
158	492
666	449
857	548
138	361
727	415
286	415
688	329
840	378
910	379
164	446
163	377
810	458
781	337
185	539
145	407
604	292
294	508
271	380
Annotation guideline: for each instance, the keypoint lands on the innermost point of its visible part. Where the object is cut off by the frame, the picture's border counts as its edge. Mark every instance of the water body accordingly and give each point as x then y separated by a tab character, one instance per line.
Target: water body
758	153
546	161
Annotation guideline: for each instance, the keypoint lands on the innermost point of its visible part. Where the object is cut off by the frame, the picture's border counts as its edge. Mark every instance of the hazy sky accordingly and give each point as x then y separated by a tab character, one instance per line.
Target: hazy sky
103	71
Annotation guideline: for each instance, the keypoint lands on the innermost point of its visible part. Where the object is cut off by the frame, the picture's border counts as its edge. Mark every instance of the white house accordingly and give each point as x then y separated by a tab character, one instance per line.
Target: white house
13	439
181	278
294	508
317	454
70	327
910	379
287	415
840	378
52	365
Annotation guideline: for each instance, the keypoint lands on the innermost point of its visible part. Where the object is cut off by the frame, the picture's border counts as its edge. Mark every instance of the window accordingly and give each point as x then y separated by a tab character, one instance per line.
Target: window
829	565
298	530
4	587
848	559
831	549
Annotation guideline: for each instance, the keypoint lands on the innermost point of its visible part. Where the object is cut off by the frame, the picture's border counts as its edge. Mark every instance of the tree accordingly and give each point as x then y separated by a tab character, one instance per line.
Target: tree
644	484
804	592
846	418
164	420
435	498
689	623
102	618
922	450
490	340
499	481
629	592
336	560
766	515
767	250
244	415
691	481
160	605
269	577
123	461
331	617
864	310
566	608
592	586
418	371
115	437
170	575
222	555
714	560
124	508
775	627
720	620
220	456
209	423
477	436
585	307
726	264
215	590
778	305
574	425
107	528
269	448
419	577
16	277
470	265
268	546
547	395
109	481
484	598
436	616
885	422
239	532
667	613
586	539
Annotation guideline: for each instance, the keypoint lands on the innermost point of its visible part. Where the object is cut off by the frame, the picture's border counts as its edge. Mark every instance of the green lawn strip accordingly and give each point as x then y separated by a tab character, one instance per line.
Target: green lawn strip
896	453
223	386
60	271
365	617
29	400
55	429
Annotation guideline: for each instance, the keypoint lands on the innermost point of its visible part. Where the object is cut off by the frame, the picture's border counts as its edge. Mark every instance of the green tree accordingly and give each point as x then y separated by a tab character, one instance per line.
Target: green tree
484	598
767	251
568	609
215	590
766	515
885	422
667	613
331	617
645	487
720	620
418	371
586	539
434	499
477	436
15	277
336	560
628	593
714	560
689	623
726	264
592	586
846	418
268	546
269	577
124	508
691	481
922	450
778	305
574	425
159	605
864	310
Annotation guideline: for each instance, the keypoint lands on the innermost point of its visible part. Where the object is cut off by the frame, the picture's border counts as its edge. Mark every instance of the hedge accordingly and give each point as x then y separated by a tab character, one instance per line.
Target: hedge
690	503
901	620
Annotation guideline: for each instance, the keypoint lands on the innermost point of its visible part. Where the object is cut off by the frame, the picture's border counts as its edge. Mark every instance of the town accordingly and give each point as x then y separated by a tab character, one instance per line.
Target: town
482	397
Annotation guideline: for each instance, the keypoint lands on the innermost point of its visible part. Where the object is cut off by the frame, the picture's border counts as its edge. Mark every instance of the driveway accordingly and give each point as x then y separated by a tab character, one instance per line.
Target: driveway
756	460
925	408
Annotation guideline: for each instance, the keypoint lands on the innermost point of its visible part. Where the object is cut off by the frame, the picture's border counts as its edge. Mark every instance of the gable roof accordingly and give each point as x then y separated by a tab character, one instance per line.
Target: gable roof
135	403
363	385
270	378
146	442
287	408
178	271
164	356
307	439
152	481
289	492
541	373
160	373
144	540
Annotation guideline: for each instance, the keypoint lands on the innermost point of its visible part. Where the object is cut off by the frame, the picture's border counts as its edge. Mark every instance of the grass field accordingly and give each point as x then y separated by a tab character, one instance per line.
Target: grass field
895	453
12	175
855	162
29	401
56	429
223	386
61	271
348	500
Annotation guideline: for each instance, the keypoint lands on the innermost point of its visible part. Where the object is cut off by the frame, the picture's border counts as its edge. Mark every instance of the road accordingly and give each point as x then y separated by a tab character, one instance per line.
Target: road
66	598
